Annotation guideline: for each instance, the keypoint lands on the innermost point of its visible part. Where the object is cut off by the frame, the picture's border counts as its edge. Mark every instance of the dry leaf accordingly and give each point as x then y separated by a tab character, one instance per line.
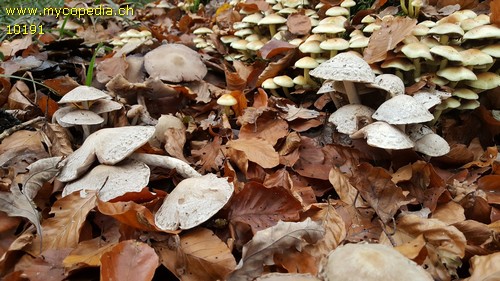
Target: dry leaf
63	229
59	139
495	12
46	267
275	47
256	150
485	267
129	213
282	238
129	260
293	112
445	244
298	24
375	186
198	255
342	186
39	173
210	155
392	31
17	204
262	207
267	128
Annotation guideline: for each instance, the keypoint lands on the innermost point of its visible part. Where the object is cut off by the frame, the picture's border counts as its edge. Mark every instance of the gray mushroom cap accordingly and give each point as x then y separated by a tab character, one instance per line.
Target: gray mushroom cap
402	109
383	135
349	116
345	67
175	63
81	117
429	98
432	145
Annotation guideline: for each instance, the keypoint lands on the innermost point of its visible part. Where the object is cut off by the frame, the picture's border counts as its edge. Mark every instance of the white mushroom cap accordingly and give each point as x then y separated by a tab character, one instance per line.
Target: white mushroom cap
112	181
102	106
457	73
283	81
402	109
82	117
485	81
483	31
175	63
417	50
226	100
109	145
83	93
429	98
349	116
447	52
417	131
345	67
389	83
371	262
432	145
383	135
193	201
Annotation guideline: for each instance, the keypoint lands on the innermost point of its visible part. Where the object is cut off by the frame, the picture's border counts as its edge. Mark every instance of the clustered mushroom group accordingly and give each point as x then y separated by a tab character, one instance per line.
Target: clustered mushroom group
456	53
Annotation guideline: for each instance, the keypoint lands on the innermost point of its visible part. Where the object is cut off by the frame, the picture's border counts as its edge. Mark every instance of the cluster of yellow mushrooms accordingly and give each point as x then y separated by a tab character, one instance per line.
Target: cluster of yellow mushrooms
457	53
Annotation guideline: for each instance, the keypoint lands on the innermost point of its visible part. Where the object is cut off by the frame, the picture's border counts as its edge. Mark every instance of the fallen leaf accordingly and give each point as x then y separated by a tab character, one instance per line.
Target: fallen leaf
69	214
129	213
275	47
342	186
59	139
282	238
449	213
293	112
445	244
375	186
267	128
262	207
129	260
17	204
485	267
487	159
298	24
392	31
256	150
39	173
47	267
210	155
198	255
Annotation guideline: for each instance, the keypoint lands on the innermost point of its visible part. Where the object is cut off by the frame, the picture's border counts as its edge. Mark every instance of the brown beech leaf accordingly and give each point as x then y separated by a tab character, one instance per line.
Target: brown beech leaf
490	184
59	139
449	213
234	80
61	85
89	252
414	250
375	186
39	173
487	159
335	232
282	238
275	47
392	31
16	204
175	139
46	267
63	229
210	155
298	24
129	213
22	148
342	186
129	260
445	244
256	150
267	128
495	12
262	207
198	255
274	68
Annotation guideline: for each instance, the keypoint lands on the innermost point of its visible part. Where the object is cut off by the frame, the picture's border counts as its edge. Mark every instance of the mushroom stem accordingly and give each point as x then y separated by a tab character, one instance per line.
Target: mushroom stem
403	6
443	39
352	94
308	79
227	110
410	9
86	128
416	63
402	127
168	162
287	93
443	63
399	74
274	93
333	53
272	30
145	116
335	100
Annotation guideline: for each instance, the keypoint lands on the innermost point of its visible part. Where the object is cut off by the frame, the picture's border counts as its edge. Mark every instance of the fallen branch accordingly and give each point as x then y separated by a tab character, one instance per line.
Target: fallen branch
23	125
168	162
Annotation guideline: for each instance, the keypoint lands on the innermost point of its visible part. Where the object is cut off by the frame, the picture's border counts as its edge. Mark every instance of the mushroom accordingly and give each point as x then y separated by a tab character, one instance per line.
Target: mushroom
227	100
348	118
371	262
383	135
348	68
390	83
307	63
447	53
112	181
485	81
401	110
456	74
415	51
448	103
175	63
193	201
109	145
334	45
426	141
285	82
272	20
445	30
270	85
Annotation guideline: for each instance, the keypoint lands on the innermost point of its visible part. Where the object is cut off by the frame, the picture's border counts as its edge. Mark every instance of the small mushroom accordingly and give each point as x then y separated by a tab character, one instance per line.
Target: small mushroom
426	141
348	68
390	83
272	20
227	100
285	82
348	118
383	135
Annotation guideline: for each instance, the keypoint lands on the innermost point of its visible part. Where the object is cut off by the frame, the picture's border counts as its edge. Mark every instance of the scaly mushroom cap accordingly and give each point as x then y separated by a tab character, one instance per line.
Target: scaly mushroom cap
348	117
389	83
382	135
402	109
371	262
345	67
193	201
112	181
175	63
429	98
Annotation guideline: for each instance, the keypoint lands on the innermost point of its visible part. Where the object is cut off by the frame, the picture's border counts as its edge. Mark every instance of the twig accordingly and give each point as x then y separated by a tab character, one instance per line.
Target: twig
12	130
